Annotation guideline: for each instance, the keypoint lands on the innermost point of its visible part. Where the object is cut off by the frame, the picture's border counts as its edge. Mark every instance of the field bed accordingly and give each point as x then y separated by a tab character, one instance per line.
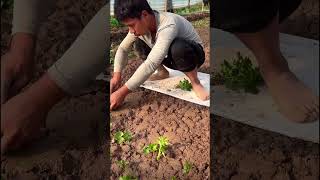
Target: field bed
148	115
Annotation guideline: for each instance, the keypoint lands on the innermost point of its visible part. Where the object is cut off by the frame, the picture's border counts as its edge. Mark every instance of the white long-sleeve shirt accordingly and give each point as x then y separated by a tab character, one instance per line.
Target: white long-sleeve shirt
169	27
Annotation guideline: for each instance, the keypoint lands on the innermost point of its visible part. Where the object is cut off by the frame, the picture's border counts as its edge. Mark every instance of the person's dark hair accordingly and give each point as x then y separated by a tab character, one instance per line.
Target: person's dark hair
124	9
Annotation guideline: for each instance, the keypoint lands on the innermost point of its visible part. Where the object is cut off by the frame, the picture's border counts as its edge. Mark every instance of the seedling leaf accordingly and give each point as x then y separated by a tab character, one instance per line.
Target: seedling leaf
186	167
184	85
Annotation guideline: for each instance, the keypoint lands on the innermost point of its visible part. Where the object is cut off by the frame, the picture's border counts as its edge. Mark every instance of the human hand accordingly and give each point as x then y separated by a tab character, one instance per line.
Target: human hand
115	82
21	122
117	98
23	116
17	65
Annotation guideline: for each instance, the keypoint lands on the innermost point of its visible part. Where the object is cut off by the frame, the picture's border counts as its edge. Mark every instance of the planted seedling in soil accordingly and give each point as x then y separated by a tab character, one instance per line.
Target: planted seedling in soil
240	74
186	167
122	137
122	164
184	85
127	177
173	178
160	147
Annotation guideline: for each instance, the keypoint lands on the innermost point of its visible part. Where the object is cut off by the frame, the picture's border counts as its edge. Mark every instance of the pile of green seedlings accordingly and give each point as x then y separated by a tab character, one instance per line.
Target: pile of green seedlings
184	85
241	75
160	147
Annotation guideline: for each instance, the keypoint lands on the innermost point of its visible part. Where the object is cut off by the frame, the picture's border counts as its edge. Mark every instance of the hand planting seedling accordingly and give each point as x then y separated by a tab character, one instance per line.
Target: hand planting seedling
184	85
122	137
241	75
127	177
122	164
160	147
186	167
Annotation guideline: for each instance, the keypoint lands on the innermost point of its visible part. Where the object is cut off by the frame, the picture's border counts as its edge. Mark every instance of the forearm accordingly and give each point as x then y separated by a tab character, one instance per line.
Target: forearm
27	15
86	57
121	57
45	93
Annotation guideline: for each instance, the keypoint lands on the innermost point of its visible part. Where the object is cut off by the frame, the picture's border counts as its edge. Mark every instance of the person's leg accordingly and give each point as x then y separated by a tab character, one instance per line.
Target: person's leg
295	100
187	57
142	50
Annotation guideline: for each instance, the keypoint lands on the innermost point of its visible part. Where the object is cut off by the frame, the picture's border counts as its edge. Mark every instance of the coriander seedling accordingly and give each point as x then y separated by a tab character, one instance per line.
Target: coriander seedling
240	74
160	147
128	177
122	137
186	167
122	164
184	85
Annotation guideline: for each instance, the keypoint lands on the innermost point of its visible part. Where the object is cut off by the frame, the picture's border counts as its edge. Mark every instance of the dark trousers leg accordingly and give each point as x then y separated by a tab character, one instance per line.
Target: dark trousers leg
183	55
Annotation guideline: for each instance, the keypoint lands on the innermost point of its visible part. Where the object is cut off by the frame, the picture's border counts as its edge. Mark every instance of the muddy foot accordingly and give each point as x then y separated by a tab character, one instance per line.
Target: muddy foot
295	100
200	92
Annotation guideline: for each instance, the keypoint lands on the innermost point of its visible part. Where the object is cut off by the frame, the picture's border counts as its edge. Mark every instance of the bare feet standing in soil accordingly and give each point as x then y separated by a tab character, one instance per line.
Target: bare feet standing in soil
295	100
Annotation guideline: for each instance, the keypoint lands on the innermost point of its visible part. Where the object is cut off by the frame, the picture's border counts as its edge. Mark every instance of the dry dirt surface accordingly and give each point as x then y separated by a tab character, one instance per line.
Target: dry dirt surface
75	146
148	115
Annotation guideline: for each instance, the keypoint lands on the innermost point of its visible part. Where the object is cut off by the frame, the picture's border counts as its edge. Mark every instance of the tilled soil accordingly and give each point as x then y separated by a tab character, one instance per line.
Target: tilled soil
148	115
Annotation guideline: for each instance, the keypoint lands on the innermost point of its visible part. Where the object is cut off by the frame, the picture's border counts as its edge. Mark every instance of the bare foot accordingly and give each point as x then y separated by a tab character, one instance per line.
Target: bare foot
200	91
296	101
160	74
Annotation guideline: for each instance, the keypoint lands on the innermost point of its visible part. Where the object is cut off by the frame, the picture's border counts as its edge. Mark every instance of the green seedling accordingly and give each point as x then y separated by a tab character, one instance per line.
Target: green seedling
186	167
160	147
114	22
150	148
184	85
173	178
127	177
122	137
122	164
240	74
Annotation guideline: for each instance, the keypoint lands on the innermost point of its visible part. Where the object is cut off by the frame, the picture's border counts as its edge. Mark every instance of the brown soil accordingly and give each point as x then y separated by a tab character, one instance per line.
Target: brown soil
244	152
148	115
75	146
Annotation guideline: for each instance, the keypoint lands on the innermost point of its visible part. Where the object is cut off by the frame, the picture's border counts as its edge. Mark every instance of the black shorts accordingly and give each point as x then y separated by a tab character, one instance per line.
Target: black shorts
248	16
183	55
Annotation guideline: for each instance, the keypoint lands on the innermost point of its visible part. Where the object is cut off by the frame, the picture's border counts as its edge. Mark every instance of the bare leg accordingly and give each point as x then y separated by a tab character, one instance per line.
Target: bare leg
295	100
161	73
197	86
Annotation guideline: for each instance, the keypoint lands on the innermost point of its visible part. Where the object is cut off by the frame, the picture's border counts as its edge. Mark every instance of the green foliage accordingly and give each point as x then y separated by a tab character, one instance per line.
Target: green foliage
114	22
241	75
173	178
128	177
160	147
186	167
184	85
6	4
193	9
122	164
122	137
